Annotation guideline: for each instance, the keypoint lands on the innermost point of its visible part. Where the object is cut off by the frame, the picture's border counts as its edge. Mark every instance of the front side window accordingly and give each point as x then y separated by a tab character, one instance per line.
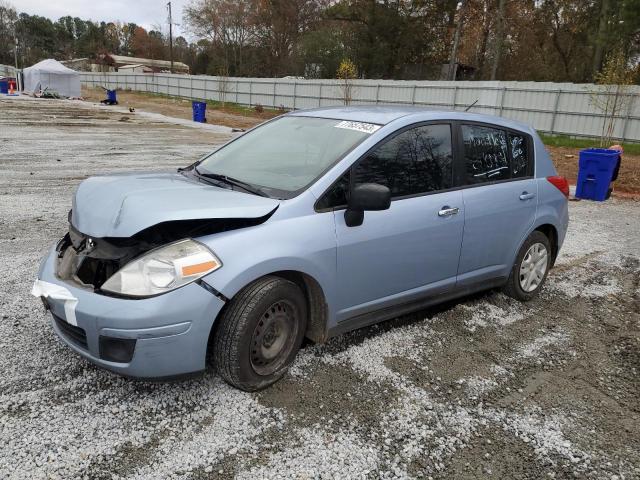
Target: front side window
416	161
337	195
485	154
286	154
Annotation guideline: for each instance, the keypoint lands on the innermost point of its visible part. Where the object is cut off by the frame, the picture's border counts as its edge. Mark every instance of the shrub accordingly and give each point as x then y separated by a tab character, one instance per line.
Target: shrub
347	72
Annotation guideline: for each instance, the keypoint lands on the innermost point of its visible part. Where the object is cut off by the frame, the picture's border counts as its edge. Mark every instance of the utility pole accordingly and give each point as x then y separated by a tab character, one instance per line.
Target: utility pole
15	56
15	51
170	37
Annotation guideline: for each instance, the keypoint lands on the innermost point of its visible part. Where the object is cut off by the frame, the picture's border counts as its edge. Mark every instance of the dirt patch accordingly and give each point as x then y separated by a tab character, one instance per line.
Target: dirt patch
328	394
180	108
494	454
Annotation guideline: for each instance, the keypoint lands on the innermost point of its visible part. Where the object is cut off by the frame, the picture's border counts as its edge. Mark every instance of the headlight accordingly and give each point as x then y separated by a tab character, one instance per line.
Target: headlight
163	269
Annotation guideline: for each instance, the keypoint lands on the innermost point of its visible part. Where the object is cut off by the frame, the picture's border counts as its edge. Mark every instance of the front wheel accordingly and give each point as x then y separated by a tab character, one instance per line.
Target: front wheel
530	269
260	333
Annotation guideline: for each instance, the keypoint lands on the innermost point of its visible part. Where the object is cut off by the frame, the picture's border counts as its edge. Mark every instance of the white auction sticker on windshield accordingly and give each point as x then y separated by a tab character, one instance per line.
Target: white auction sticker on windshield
359	126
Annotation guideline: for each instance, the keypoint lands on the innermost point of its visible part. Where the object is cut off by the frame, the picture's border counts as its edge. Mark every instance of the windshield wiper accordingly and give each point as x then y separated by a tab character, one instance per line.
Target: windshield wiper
233	181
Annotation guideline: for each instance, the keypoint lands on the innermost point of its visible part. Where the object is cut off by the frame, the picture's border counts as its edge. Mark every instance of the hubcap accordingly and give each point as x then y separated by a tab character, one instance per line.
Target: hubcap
273	338
533	267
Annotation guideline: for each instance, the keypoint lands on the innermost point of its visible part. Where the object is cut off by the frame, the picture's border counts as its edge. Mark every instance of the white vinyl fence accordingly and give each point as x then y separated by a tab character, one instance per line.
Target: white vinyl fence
557	108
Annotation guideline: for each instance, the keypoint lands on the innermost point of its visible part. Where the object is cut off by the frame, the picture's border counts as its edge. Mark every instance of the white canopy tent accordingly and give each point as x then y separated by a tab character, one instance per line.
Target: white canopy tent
53	75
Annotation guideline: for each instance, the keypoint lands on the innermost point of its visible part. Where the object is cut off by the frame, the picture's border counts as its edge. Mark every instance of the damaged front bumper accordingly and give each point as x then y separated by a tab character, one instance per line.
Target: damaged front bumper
162	336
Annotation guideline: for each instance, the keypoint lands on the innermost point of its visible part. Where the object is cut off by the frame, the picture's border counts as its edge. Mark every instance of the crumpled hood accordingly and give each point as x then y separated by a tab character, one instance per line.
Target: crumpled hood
123	205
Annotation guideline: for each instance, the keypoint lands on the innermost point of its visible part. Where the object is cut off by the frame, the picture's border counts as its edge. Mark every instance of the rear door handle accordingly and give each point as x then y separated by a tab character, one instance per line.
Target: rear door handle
527	196
447	211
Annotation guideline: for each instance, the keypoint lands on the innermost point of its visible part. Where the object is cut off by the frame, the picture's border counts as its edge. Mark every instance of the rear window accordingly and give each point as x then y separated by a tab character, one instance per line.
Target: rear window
520	157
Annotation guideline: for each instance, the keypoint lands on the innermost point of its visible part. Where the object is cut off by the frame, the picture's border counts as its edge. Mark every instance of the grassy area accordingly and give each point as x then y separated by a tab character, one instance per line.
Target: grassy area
242	109
228	107
571	142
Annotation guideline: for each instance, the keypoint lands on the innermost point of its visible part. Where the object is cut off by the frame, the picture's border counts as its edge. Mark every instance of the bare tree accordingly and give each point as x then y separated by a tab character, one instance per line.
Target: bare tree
228	23
223	85
612	95
270	26
281	24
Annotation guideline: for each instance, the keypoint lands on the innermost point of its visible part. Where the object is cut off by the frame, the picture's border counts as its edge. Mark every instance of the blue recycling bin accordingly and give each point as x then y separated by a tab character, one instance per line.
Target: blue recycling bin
4	85
199	111
597	168
112	97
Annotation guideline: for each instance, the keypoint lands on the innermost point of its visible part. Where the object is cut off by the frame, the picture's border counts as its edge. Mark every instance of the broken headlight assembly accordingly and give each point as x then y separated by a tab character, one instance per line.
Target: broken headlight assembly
163	269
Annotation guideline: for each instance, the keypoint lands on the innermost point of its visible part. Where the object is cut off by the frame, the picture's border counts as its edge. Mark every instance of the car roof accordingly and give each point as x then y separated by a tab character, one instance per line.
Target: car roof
384	114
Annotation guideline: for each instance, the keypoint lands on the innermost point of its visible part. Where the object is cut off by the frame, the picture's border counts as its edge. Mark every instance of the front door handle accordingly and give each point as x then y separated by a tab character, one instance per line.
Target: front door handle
447	211
527	196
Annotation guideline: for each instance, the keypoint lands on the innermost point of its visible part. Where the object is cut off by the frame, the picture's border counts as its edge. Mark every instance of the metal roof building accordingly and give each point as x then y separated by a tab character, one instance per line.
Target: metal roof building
119	61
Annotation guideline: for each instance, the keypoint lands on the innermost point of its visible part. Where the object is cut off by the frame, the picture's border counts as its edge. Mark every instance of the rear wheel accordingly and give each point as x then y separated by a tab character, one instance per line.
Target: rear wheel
260	333
529	272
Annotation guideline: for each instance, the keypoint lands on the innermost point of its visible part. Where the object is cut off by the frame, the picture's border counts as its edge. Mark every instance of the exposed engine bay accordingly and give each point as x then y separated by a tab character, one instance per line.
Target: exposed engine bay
90	262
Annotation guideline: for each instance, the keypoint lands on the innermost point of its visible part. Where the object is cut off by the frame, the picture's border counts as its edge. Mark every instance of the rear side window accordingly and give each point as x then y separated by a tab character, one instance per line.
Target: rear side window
416	161
520	157
485	154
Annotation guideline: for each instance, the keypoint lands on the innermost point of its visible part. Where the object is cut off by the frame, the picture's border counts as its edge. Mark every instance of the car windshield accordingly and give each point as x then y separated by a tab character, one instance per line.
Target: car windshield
287	154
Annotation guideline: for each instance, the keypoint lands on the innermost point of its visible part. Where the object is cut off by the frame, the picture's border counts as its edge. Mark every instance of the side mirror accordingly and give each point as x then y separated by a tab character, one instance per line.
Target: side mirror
366	197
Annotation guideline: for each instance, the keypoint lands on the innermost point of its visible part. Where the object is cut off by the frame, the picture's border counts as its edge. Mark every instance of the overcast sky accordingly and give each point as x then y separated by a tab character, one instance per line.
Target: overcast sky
146	13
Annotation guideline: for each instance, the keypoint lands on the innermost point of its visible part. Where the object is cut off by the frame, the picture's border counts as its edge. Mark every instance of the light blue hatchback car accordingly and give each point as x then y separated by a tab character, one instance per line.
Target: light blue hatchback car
311	224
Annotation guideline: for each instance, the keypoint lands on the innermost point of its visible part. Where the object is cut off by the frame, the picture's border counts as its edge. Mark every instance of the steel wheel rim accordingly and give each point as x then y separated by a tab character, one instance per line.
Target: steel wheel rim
273	338
533	267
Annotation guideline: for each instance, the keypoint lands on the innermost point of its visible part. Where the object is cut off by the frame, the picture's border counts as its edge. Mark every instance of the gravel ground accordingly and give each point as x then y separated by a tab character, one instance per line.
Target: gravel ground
472	389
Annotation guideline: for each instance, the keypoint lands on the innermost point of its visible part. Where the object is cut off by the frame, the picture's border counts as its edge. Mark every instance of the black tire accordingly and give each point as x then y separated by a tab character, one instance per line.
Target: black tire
243	346
514	287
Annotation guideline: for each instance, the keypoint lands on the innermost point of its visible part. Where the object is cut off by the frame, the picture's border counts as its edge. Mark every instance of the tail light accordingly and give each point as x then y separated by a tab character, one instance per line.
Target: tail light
560	183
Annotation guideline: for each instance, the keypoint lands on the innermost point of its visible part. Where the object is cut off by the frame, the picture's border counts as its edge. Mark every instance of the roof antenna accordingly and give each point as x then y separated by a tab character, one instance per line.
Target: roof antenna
467	109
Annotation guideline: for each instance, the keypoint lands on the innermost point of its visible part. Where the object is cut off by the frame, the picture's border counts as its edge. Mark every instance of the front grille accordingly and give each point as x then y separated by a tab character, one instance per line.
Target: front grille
73	333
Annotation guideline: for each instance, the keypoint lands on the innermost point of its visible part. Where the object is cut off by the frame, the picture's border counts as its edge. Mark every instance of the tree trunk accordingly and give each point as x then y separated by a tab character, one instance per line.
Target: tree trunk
497	48
454	47
482	54
601	36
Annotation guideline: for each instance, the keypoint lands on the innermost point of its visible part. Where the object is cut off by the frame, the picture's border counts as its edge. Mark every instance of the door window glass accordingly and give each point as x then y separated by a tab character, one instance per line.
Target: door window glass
485	154
519	156
336	196
415	161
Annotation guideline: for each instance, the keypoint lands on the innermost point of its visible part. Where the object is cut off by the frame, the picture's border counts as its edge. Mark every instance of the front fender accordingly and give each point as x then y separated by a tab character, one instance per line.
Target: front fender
305	244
